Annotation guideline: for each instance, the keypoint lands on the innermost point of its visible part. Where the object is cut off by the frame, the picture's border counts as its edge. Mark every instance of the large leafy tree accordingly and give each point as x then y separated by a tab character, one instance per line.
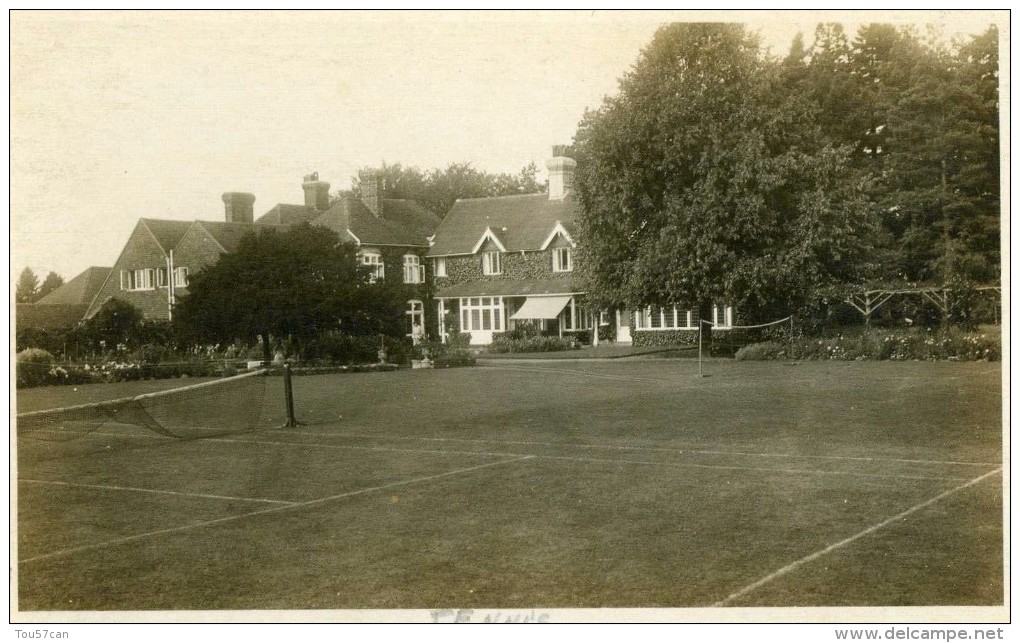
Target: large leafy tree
941	174
705	180
439	189
292	284
398	181
922	119
51	283
27	286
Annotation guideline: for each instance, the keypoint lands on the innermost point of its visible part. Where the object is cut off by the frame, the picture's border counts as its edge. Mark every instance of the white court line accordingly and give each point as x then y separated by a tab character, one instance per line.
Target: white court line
555	444
846	541
159	491
692	465
364	448
679	465
330	446
640	448
296	505
589	375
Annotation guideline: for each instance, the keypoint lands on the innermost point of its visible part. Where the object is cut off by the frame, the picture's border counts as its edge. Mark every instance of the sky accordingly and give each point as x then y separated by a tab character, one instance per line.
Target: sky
119	116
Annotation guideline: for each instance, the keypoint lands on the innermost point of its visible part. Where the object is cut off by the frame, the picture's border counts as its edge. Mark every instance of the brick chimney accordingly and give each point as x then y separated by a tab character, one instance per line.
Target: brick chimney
372	194
561	172
316	192
238	206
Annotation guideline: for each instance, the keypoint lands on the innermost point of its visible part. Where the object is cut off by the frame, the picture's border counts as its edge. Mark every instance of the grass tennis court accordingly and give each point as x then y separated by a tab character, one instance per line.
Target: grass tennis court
601	484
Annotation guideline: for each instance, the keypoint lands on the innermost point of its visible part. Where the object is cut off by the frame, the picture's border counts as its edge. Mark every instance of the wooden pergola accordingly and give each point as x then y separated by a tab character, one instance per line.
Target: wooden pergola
868	301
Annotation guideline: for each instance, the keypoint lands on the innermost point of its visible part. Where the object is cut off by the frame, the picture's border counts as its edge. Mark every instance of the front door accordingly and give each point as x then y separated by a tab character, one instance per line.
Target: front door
623	327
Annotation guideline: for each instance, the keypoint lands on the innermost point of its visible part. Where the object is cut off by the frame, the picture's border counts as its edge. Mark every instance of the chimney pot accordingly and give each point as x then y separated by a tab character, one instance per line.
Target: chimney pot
239	207
316	192
561	173
372	195
561	150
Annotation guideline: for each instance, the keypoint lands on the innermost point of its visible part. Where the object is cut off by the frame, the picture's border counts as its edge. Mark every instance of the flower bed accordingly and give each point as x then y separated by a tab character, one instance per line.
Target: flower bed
534	344
527	337
916	344
56	374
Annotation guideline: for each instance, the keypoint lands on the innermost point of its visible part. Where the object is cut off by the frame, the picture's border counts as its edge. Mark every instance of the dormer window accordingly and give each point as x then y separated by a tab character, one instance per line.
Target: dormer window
491	263
561	258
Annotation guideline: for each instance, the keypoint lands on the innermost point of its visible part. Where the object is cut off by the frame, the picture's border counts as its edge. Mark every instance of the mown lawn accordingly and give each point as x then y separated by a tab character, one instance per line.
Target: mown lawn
632	484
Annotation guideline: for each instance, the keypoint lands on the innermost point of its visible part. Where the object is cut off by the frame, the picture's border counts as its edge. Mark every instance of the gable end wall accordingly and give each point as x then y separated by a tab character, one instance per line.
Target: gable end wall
140	251
516	267
195	251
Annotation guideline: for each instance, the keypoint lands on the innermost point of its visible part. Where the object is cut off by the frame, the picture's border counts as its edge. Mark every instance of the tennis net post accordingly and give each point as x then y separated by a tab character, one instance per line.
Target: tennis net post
288	392
701	370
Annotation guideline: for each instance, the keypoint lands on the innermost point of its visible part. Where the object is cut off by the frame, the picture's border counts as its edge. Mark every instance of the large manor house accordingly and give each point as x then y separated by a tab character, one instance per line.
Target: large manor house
489	265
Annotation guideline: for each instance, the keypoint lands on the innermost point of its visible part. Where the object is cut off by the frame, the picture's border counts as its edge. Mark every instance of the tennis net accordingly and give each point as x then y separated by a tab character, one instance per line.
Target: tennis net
228	405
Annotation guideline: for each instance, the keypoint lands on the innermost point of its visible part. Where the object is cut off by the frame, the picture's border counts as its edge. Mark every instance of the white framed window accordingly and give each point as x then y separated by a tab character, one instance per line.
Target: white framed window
562	260
416	319
374	261
140	279
722	317
662	318
441	318
603	317
492	263
161	280
481	313
414	272
575	316
440	266
181	277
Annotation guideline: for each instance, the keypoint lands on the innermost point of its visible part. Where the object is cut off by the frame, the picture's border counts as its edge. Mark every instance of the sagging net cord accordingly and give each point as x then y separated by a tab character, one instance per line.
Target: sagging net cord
228	405
772	323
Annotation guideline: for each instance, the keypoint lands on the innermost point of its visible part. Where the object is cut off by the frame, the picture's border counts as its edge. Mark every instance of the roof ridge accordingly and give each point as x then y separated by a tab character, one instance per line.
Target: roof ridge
501	196
167	220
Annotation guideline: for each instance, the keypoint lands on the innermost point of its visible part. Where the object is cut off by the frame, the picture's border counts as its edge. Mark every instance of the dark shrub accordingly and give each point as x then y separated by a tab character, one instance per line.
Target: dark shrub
34	365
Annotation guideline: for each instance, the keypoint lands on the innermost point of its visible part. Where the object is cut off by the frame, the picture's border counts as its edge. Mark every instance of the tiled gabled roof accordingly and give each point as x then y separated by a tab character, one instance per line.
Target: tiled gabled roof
404	223
228	234
522	222
80	290
410	216
288	214
50	316
168	233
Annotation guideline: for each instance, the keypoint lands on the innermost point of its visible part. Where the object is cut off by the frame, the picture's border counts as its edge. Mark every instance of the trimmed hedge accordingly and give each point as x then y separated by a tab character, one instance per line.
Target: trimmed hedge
328	370
454	359
664	337
341	348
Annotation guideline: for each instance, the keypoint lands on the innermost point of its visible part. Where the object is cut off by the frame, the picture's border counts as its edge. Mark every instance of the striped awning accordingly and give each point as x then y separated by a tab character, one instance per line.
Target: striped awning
541	307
